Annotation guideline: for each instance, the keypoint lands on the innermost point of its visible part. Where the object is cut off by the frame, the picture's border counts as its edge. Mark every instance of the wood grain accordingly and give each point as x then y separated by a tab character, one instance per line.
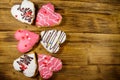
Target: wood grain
92	48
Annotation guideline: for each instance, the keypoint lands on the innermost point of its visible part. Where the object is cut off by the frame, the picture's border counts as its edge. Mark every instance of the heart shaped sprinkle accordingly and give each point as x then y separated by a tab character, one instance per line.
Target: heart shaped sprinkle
24	12
46	16
26	40
47	65
51	40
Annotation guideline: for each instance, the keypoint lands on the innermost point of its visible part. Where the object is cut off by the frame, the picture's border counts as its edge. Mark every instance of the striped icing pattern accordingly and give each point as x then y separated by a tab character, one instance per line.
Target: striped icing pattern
47	17
48	65
51	39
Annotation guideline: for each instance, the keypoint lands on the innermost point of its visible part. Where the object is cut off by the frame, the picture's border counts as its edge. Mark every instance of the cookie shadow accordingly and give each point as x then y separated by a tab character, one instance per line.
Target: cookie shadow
36	11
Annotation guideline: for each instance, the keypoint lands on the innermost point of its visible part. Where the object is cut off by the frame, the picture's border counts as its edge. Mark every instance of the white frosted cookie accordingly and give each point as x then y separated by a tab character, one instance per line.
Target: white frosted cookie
27	64
51	40
24	12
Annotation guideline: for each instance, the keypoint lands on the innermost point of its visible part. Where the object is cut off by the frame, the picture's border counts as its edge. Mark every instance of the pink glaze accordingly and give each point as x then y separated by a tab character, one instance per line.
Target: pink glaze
26	40
47	17
48	65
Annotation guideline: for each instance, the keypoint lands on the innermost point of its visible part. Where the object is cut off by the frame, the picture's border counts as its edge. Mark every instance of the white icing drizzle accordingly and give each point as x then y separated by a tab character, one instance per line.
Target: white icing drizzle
55	65
50	11
46	19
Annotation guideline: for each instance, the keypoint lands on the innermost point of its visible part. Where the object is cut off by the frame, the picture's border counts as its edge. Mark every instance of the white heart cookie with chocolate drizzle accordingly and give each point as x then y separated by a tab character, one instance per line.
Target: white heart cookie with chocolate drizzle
52	39
26	64
24	12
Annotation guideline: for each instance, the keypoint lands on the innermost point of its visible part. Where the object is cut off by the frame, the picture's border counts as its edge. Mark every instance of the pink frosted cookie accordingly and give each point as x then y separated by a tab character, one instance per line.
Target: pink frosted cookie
24	12
27	64
47	16
26	40
47	65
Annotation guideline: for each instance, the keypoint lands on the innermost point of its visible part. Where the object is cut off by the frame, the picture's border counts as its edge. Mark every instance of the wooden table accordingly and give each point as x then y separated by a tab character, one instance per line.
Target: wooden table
92	48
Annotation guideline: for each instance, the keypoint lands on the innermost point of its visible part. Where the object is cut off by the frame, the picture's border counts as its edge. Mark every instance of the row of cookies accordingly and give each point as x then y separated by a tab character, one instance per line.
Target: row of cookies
45	17
29	64
50	40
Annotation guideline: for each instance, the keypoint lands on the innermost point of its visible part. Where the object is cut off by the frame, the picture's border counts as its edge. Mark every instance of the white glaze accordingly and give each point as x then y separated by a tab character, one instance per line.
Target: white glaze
24	4
31	68
51	40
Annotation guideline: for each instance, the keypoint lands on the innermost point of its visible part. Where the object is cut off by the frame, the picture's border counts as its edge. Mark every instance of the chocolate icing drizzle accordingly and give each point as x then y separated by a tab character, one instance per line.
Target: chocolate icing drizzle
26	13
24	61
49	38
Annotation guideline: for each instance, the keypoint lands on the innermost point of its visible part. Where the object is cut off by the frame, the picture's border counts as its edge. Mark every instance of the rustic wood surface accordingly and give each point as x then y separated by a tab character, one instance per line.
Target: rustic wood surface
92	48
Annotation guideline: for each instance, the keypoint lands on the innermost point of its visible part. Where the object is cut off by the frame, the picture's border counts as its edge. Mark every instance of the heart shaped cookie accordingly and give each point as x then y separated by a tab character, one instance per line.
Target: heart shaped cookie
24	12
26	40
47	65
26	64
46	16
51	40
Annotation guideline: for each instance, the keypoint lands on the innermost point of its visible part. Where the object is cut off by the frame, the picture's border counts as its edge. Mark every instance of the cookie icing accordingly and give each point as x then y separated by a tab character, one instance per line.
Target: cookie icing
47	16
24	12
26	40
47	65
27	64
51	40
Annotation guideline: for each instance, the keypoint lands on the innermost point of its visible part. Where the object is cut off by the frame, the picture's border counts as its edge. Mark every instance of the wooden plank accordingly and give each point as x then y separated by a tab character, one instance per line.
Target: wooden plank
4	1
101	49
110	72
76	6
105	69
5	6
104	53
75	69
68	71
91	1
65	54
109	39
7	72
82	73
90	23
80	77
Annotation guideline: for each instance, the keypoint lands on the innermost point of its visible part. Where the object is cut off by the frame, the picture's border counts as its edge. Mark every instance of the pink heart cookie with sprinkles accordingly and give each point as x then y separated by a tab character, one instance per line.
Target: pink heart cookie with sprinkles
46	16
26	64
26	40
24	12
47	65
